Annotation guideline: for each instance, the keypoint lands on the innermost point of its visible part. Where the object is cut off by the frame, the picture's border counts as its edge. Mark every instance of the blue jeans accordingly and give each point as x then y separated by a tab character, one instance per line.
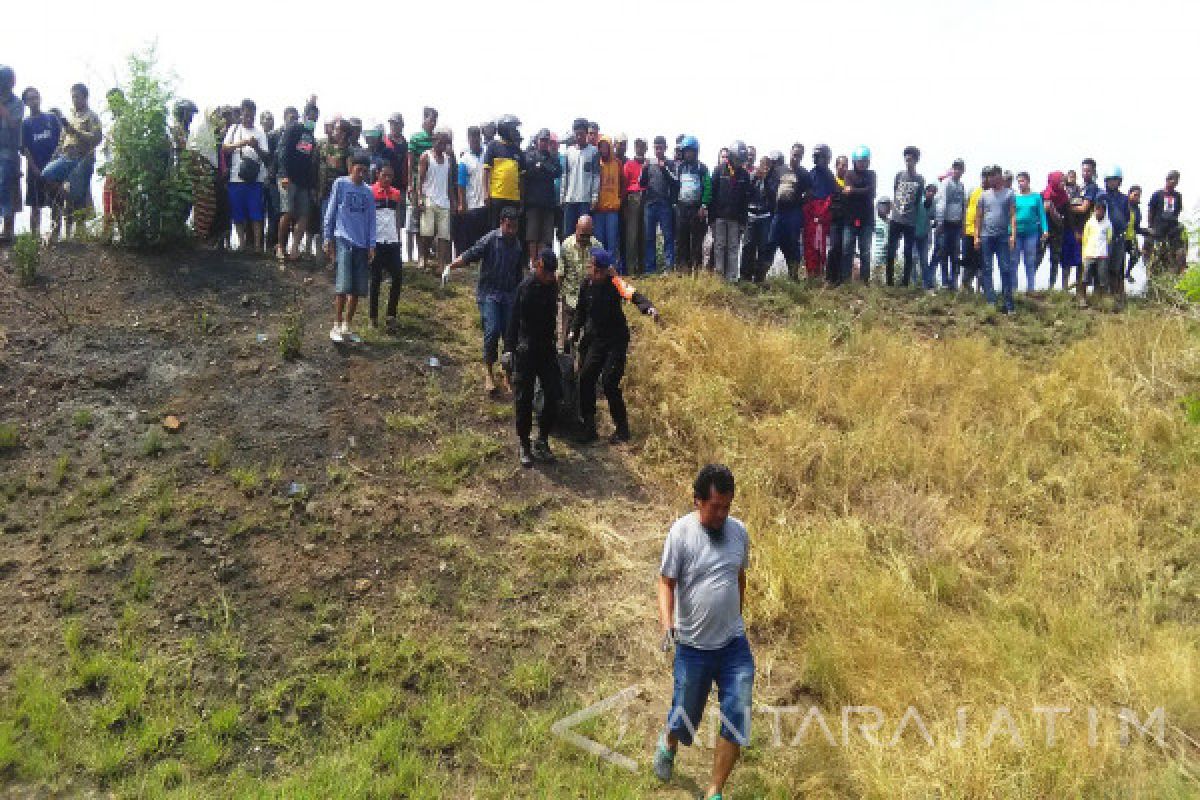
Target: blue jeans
928	271
571	214
74	171
787	227
494	308
998	246
353	274
859	236
656	215
606	225
949	247
9	186
732	668
1027	252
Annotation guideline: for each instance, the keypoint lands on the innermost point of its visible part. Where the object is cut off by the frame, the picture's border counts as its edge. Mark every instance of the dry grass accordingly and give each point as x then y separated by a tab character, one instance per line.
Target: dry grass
944	523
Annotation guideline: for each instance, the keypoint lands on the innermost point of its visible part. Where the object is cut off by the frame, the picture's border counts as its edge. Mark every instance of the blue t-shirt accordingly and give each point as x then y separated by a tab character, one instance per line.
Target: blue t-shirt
40	135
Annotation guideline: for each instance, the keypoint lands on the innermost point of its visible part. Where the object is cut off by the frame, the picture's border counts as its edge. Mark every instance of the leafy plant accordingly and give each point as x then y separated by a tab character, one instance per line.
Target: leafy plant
151	191
292	336
27	252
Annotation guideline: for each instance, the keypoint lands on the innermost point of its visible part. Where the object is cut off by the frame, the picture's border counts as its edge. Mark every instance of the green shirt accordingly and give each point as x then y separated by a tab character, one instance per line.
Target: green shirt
573	263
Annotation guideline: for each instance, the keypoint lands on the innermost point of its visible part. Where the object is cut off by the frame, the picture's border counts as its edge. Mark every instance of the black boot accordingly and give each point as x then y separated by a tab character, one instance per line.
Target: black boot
526	454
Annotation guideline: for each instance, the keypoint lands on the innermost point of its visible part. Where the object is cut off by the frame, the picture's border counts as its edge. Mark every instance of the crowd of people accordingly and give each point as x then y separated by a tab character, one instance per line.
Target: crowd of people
568	217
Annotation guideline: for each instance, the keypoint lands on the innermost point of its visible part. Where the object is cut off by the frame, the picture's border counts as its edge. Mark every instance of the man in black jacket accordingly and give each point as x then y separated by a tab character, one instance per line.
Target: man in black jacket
542	169
602	333
534	357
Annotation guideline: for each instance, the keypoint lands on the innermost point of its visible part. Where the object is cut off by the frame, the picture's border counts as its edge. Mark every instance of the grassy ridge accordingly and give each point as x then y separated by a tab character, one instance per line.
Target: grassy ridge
945	522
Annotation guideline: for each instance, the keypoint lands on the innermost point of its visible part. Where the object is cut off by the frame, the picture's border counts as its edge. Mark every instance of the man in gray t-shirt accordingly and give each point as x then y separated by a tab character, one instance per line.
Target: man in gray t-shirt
701	588
995	236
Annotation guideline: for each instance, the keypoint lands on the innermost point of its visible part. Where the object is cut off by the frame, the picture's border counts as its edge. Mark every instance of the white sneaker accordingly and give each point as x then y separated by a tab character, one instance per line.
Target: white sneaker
335	334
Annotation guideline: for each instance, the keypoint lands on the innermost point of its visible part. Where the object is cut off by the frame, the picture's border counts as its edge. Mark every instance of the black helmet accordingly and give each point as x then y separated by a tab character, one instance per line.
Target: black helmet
507	126
185	106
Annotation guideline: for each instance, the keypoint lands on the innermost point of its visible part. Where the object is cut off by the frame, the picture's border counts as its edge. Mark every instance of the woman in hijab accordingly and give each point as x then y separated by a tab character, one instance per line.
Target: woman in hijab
1056	202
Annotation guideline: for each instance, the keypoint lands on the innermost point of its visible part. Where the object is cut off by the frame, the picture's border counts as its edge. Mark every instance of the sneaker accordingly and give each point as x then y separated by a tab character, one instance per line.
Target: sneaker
335	334
542	452
350	335
526	456
664	760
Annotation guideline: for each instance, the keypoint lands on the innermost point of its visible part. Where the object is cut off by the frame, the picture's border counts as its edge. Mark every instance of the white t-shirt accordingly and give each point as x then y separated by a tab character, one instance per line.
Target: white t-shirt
236	134
474	169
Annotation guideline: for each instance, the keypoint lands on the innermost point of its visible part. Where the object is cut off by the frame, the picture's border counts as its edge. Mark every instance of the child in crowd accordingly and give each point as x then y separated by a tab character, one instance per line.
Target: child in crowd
1097	238
883	211
350	229
389	209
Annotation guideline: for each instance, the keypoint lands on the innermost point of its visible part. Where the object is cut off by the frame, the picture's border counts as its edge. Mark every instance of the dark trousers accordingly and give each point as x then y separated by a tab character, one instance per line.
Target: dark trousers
757	252
469	227
389	260
947	252
971	261
604	361
689	237
833	264
896	232
529	370
271	234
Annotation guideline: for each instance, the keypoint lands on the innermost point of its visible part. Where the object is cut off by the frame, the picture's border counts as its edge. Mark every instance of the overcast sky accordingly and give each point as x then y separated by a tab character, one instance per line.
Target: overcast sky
1031	84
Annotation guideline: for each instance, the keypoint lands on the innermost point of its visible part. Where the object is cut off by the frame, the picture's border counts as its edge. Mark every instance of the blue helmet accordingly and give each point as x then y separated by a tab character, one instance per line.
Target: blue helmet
861	153
689	141
1115	172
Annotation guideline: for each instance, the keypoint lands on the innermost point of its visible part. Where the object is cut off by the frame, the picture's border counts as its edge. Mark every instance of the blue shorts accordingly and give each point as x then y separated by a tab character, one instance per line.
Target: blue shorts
246	202
353	273
732	669
77	172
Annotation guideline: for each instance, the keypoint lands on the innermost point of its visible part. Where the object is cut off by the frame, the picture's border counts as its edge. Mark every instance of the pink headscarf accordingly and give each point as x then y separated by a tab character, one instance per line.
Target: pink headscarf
1054	192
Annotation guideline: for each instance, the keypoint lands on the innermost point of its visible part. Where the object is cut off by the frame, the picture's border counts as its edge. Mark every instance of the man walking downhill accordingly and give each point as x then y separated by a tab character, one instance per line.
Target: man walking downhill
701	593
534	356
502	266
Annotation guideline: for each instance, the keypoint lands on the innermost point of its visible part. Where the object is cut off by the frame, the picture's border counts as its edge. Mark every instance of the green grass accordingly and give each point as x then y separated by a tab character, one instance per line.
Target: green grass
10	436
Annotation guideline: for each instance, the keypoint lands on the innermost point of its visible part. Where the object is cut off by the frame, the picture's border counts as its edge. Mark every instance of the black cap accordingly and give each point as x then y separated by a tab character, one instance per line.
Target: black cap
548	259
508	212
660	140
580	123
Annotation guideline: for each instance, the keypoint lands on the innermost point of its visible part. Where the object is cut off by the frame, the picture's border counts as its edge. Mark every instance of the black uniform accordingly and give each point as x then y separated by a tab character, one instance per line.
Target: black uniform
604	345
531	331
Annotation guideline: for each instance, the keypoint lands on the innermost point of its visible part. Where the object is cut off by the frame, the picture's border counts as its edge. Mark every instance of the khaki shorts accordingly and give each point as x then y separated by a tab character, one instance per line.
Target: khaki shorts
435	222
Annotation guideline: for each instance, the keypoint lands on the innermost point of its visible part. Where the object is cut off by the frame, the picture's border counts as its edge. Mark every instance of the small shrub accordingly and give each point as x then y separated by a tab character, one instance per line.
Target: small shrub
82	419
10	437
246	479
27	252
61	466
1189	284
218	455
153	443
291	338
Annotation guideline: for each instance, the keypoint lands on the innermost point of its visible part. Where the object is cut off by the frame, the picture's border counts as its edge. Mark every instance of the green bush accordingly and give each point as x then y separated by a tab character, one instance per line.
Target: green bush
27	253
152	193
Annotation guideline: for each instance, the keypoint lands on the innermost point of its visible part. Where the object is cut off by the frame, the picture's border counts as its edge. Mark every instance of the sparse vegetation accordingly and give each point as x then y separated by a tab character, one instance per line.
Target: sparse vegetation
27	253
946	507
10	436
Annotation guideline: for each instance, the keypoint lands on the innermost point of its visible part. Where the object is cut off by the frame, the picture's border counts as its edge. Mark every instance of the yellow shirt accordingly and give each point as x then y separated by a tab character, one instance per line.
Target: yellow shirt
503	163
972	211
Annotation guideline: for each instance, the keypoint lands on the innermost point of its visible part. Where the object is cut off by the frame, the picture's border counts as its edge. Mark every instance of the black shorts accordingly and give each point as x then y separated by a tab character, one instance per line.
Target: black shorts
35	193
539	225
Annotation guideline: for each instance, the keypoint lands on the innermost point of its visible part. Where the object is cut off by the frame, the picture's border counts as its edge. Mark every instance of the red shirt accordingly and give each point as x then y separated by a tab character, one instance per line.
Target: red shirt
633	175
